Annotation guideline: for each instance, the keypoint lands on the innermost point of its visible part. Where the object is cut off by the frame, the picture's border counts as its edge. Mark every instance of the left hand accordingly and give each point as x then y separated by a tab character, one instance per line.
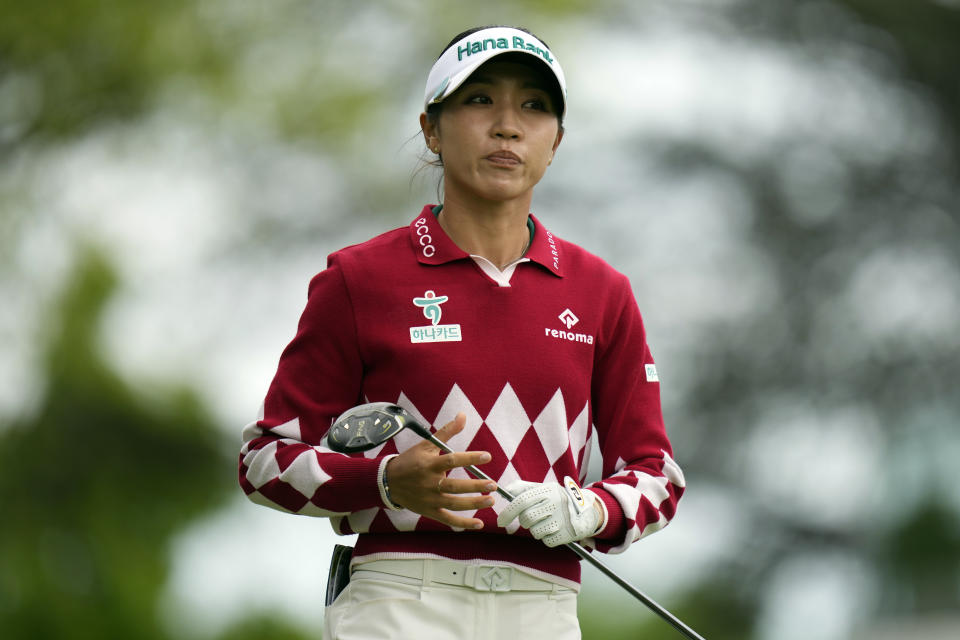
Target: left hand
554	513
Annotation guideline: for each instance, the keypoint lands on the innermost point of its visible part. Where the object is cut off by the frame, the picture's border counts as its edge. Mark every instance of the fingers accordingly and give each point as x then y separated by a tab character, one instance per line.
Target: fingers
446	516
472	503
527	495
512	510
540	524
464	459
455	521
450	461
418	480
452	428
456	485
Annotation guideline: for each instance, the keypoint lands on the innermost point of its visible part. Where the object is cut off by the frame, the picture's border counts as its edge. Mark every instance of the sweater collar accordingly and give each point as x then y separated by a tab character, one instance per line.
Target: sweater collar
433	246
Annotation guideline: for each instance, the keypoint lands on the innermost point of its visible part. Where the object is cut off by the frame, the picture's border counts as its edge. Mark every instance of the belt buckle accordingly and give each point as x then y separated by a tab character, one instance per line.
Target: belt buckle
493	578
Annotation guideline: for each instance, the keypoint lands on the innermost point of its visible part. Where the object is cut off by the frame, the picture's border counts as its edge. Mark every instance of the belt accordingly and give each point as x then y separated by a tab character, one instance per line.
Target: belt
479	577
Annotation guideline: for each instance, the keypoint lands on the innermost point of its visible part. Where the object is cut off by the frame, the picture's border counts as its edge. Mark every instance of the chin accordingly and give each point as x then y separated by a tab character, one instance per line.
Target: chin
504	192
503	196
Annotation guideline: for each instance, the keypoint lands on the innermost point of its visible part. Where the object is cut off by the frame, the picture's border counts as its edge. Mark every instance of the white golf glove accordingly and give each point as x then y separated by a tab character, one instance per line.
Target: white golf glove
554	513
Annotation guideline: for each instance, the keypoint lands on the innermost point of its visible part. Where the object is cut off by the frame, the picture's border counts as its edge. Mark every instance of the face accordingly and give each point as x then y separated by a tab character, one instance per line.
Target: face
497	133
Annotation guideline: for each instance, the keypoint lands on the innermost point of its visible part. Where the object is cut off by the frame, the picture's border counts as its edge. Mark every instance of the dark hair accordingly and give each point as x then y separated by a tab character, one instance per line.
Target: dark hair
556	96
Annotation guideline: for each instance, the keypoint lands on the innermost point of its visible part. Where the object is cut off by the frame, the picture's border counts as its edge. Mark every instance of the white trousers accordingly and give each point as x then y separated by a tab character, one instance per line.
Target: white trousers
386	606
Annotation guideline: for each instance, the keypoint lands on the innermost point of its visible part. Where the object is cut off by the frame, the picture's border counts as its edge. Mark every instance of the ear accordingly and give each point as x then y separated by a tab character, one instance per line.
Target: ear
429	130
556	143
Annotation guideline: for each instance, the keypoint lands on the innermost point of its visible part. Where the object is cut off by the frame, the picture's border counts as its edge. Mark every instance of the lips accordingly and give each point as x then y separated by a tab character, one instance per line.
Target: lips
504	158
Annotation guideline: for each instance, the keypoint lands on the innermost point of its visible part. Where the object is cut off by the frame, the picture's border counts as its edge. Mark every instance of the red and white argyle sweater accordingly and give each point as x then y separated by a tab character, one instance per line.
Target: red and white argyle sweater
542	358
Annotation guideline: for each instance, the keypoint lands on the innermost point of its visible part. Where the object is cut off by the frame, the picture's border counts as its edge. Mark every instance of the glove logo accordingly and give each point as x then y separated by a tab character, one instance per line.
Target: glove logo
576	494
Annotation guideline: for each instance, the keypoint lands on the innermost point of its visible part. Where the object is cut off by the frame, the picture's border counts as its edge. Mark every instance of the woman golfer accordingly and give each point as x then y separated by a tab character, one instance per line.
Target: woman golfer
519	347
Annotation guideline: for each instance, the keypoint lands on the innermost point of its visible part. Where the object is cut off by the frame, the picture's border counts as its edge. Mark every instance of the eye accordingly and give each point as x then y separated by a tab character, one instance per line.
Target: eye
477	98
536	104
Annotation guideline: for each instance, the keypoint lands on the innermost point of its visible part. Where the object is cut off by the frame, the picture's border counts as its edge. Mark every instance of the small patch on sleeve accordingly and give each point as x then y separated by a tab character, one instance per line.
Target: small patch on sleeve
652	373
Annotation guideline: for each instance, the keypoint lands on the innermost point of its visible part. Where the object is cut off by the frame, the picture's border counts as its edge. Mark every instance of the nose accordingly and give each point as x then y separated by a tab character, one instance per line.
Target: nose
506	124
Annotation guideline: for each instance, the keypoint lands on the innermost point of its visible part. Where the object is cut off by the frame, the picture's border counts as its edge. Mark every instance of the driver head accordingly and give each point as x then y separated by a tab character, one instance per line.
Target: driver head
366	426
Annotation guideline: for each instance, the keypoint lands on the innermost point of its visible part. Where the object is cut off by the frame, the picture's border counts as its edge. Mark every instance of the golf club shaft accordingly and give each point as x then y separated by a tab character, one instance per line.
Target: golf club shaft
586	555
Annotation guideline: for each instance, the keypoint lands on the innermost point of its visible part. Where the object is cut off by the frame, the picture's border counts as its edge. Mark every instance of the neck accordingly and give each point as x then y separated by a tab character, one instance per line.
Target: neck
496	231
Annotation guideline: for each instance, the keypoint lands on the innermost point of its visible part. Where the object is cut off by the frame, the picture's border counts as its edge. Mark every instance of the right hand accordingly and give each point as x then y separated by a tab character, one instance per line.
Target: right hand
418	480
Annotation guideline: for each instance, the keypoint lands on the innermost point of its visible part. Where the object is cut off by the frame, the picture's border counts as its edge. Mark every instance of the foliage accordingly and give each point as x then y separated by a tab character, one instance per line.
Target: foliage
95	482
78	63
713	610
99	476
261	628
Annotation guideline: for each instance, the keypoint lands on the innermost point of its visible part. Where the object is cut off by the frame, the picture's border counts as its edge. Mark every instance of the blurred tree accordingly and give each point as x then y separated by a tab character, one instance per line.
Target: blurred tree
263	628
920	560
927	35
66	67
95	482
850	326
715	610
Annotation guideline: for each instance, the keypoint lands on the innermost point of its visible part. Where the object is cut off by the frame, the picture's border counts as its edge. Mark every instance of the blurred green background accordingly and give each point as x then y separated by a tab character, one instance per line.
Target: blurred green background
778	178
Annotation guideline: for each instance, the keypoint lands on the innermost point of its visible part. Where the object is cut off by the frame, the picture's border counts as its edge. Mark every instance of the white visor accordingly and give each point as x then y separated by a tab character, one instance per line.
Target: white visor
464	57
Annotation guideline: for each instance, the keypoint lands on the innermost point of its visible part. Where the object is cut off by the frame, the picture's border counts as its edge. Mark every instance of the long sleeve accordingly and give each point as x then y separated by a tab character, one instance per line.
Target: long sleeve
282	464
540	368
641	484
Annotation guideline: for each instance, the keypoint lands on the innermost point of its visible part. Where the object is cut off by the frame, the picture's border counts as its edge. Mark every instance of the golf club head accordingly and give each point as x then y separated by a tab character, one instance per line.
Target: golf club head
369	425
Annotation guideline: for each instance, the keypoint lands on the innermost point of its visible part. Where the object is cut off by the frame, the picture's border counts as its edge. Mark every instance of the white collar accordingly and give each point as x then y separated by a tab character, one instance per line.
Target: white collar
500	276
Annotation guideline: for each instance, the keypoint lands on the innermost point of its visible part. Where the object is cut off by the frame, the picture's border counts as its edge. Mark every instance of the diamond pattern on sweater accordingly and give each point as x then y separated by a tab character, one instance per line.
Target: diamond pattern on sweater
407	438
584	462
579	438
625	494
456	402
404	520
361	520
508	477
310	509
531	459
672	471
508	421
507	432
262	465
290	476
370	454
305	474
552	429
653	527
653	488
507	429
289	429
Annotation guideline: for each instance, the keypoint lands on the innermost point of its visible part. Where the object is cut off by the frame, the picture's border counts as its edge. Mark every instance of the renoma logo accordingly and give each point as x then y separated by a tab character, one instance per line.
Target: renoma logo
569	320
434	332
